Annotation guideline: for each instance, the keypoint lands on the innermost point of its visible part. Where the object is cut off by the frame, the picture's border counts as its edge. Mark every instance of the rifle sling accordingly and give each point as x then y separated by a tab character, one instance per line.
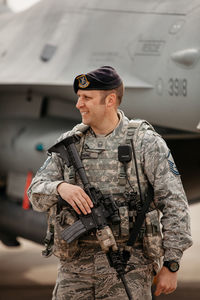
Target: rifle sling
140	218
141	214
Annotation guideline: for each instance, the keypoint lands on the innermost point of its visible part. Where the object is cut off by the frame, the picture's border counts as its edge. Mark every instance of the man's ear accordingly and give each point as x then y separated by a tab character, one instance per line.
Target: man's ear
111	100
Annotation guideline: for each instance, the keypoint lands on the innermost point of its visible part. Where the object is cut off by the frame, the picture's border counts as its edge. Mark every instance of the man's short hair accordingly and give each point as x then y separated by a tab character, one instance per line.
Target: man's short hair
119	91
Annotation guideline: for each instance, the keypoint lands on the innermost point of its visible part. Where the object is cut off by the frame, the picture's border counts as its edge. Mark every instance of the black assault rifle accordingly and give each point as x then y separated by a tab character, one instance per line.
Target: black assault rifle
104	209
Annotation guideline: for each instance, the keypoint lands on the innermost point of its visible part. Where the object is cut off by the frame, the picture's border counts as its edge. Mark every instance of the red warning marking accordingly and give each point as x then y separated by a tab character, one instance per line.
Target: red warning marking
26	202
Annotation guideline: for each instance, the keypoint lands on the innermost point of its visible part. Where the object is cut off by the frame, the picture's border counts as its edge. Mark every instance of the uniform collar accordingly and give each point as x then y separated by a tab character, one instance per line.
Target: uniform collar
123	121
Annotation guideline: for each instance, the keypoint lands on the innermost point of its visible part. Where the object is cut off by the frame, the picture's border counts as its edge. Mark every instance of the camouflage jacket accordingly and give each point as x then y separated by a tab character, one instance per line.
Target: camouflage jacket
156	165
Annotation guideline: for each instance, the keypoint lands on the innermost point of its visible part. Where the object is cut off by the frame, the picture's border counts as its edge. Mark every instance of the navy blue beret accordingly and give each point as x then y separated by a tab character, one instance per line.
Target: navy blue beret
104	78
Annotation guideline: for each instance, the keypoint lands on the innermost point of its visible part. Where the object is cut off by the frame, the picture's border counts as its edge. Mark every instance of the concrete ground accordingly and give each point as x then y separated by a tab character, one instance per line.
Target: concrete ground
26	275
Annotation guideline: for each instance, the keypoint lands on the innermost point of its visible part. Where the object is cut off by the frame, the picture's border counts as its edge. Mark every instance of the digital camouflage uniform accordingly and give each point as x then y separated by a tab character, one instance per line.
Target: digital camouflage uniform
84	272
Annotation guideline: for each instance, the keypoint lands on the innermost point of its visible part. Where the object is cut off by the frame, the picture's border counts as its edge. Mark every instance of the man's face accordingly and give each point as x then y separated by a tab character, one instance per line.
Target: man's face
91	107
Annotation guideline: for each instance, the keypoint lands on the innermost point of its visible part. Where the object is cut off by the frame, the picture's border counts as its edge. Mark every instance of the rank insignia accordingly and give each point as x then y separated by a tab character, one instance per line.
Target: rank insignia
83	81
172	165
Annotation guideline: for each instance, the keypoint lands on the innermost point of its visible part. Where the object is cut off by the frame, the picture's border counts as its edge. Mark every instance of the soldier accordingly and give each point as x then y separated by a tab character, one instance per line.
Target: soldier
84	272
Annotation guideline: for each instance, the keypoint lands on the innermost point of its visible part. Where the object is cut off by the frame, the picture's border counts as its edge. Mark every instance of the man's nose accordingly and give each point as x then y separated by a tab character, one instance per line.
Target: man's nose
79	103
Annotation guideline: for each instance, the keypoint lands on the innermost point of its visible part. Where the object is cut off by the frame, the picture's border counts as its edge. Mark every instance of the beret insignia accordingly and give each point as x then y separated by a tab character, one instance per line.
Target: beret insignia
83	81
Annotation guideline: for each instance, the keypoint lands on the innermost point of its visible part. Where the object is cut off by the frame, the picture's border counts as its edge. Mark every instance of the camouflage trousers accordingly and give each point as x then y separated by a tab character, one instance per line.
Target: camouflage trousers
90	277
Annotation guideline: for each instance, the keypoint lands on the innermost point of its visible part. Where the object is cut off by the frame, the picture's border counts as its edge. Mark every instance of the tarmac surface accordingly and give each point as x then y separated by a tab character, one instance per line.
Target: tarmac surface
26	275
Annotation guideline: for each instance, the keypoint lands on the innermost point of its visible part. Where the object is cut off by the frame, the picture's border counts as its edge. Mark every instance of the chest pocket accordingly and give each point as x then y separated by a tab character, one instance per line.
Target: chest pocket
92	149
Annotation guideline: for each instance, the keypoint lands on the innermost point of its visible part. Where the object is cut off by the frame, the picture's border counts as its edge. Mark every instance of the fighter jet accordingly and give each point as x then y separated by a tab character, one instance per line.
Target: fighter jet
155	47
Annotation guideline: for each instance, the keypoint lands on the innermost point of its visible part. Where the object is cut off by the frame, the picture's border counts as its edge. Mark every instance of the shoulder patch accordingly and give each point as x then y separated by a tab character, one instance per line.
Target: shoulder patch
172	165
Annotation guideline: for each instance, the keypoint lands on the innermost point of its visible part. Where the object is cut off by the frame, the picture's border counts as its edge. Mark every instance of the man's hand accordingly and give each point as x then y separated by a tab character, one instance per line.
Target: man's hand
166	282
76	197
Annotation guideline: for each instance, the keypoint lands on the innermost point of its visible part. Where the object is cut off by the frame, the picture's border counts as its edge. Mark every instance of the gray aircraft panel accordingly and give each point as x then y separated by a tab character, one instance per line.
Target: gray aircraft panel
178	7
54	24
